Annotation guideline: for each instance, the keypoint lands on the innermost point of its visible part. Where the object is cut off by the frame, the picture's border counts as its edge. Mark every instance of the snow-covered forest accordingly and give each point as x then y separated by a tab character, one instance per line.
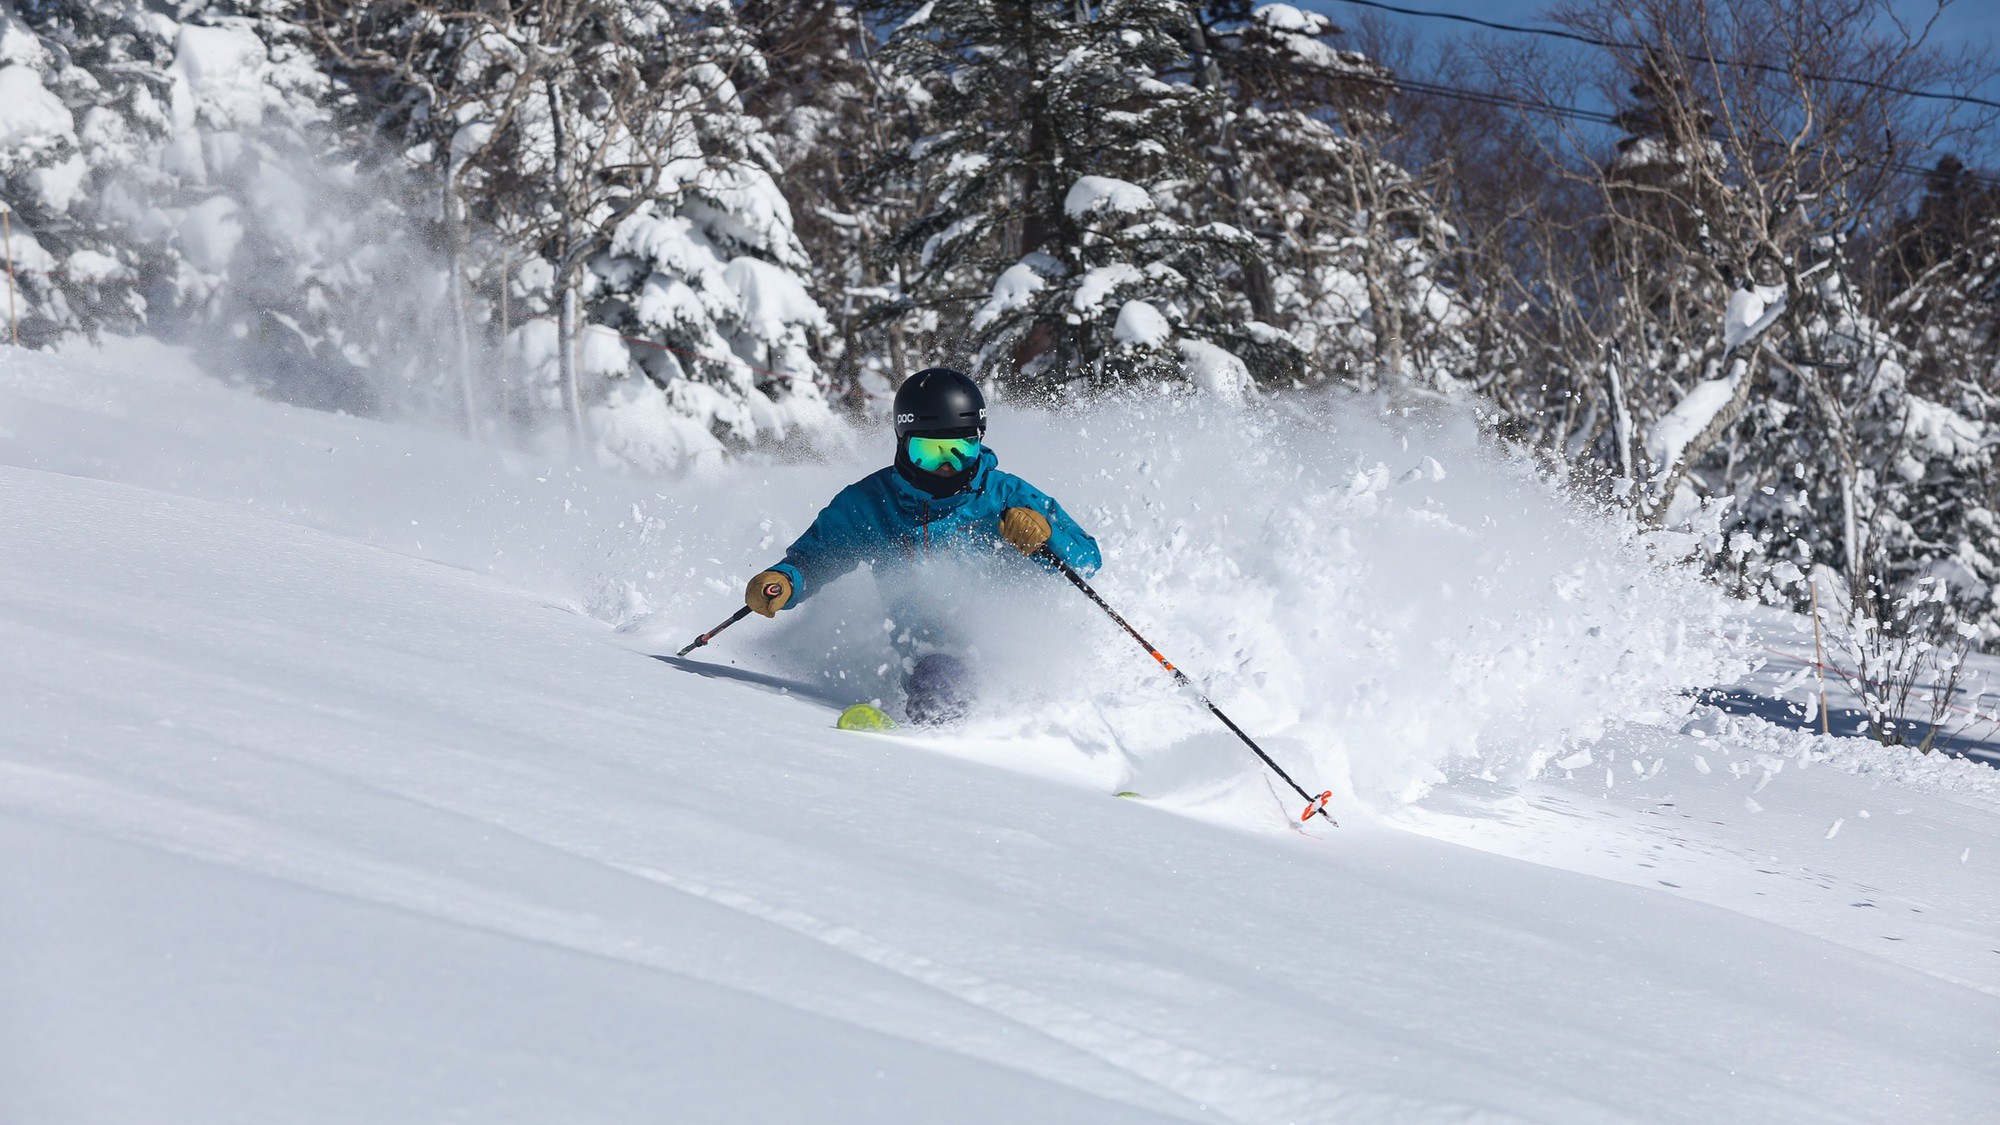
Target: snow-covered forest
1755	303
1563	452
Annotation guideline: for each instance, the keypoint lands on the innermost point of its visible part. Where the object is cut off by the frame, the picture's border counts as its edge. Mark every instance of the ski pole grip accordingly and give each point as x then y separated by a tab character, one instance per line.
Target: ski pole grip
772	589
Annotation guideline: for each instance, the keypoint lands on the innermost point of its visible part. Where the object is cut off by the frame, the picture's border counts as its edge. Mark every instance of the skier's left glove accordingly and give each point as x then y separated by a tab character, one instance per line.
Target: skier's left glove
1024	529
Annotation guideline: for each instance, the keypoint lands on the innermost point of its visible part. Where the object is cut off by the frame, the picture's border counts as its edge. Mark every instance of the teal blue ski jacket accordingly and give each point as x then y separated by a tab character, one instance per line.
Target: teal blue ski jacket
889	523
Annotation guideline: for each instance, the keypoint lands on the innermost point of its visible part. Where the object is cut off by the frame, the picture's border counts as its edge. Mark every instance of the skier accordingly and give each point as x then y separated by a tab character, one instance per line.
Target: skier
944	496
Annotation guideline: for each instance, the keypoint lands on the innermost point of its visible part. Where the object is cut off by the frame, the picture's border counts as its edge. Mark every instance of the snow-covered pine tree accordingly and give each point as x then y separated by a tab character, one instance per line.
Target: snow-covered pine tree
833	107
284	250
715	271
1943	270
1941	277
1350	264
664	306
83	115
166	173
1889	468
1047	232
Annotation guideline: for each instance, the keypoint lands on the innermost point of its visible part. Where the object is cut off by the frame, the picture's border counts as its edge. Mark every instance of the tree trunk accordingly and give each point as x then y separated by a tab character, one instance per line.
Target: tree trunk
1366	196
1382	307
1257	287
566	327
1745	374
1853	550
566	336
455	232
506	330
1621	416
1037	223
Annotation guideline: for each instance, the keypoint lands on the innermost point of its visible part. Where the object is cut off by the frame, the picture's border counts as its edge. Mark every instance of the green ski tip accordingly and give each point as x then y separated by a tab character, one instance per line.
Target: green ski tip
1129	793
865	716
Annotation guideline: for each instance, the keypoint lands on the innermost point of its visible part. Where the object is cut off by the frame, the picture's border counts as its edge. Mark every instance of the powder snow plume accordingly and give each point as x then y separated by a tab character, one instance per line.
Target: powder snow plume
1379	595
1387	596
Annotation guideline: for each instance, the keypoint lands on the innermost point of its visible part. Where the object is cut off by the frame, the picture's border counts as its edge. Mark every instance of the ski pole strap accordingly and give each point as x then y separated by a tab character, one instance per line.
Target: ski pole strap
710	635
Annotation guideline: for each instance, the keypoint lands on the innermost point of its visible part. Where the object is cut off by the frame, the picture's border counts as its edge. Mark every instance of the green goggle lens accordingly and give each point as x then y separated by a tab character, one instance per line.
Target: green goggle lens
931	453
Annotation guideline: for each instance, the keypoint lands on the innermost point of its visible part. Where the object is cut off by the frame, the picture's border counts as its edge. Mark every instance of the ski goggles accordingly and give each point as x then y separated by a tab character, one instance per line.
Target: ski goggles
933	453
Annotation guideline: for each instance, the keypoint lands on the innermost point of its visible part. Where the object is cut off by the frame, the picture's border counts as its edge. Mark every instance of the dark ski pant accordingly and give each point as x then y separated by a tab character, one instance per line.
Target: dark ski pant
939	690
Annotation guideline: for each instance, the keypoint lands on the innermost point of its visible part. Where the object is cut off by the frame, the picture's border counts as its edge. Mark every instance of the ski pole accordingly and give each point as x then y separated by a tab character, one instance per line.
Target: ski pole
771	590
710	635
1313	804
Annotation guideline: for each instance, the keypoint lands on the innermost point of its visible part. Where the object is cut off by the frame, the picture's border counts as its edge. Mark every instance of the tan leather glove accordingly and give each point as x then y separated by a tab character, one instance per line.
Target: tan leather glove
768	592
1024	529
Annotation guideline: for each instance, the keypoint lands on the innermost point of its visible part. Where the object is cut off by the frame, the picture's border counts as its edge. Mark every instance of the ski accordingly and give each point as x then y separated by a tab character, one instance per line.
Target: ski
866	717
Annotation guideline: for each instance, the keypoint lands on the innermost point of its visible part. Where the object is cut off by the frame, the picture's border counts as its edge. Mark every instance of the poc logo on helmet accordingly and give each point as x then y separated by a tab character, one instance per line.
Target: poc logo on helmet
905	419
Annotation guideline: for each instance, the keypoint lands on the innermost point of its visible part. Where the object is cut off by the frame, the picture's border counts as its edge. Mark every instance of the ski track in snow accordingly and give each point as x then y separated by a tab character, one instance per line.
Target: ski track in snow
1206	1080
303	825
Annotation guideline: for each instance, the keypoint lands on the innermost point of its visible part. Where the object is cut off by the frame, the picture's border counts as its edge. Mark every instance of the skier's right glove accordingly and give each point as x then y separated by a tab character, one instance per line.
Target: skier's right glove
768	592
1024	529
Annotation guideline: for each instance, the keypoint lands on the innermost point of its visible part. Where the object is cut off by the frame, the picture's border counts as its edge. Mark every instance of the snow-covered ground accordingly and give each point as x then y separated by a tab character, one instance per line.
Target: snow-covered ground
337	784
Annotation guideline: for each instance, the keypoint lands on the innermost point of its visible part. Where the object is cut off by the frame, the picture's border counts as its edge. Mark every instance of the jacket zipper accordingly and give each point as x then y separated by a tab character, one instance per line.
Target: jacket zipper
927	527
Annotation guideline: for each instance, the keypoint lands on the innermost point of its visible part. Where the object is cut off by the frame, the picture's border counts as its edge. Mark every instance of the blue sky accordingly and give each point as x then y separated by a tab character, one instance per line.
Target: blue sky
1972	19
1969	22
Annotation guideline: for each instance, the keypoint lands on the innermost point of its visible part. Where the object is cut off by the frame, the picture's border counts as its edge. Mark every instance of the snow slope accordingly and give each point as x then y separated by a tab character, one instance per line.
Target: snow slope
328	792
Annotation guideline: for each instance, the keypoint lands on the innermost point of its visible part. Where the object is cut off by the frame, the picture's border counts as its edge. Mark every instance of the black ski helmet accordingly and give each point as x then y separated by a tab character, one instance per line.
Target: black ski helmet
939	402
